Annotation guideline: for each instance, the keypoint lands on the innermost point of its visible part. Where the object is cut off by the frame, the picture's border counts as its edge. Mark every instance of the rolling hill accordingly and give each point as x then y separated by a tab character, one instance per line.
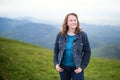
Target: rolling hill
101	37
27	31
23	61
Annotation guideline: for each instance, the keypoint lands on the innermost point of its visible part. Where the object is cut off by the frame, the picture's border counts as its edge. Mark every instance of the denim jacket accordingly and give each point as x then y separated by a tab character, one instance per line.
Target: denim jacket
81	49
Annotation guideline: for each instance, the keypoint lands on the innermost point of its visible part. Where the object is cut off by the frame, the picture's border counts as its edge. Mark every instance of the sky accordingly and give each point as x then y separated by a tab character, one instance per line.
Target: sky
104	12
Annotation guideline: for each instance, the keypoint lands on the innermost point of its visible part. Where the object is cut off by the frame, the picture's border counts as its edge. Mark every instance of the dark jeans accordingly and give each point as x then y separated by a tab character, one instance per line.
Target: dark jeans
69	74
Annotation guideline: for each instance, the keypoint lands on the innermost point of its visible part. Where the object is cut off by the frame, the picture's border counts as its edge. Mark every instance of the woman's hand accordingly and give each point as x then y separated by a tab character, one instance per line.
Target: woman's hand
58	68
78	70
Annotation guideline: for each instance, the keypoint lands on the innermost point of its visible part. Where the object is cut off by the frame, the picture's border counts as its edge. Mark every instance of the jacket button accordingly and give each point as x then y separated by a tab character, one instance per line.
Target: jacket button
73	43
81	43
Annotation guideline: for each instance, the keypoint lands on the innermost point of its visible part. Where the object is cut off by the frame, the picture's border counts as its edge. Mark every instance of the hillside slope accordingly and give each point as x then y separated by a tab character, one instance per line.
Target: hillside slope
22	61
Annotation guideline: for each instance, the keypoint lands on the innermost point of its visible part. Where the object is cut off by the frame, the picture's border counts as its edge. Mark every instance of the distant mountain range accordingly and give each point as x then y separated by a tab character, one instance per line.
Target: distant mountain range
36	33
44	34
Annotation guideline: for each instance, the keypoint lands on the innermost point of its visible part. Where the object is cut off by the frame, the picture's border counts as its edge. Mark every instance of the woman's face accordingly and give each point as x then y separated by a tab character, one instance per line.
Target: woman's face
72	22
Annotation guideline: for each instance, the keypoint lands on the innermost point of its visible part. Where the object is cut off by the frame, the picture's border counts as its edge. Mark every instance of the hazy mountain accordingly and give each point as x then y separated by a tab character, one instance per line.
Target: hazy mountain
112	52
102	35
44	34
36	33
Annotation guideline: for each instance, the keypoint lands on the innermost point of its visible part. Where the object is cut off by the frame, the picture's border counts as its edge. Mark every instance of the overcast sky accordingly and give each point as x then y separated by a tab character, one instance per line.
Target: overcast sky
89	11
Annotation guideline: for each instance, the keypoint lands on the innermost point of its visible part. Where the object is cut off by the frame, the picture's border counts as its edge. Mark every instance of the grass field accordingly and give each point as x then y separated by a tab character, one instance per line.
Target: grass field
23	61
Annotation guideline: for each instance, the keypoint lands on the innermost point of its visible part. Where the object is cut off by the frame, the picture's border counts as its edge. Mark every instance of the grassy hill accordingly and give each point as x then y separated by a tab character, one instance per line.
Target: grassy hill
23	61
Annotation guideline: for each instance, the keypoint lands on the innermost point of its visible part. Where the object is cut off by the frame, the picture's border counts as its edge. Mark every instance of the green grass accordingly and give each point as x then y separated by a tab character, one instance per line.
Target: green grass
103	69
23	61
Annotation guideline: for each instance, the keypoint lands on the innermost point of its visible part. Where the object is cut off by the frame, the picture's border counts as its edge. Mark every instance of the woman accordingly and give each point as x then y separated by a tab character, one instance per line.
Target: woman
72	51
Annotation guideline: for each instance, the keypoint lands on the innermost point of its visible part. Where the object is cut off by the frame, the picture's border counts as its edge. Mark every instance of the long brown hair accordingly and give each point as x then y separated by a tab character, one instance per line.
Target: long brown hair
65	26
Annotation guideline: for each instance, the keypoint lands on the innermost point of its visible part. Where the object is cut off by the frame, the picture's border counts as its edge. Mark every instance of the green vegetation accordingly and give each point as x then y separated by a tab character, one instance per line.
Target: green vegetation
103	69
23	61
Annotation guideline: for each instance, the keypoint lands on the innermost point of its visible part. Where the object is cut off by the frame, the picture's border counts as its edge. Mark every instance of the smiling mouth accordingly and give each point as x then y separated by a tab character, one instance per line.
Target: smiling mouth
74	24
72	28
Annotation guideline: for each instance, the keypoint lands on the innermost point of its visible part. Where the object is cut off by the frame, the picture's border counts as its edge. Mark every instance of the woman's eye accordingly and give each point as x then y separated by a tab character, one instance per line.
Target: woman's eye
71	20
75	20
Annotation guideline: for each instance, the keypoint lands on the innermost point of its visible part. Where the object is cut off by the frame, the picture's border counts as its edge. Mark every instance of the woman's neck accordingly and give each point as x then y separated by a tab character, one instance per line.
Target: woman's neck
71	32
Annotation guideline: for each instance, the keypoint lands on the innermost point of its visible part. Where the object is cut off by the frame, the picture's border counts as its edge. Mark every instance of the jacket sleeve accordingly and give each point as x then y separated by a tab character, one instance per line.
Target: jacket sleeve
56	50
86	51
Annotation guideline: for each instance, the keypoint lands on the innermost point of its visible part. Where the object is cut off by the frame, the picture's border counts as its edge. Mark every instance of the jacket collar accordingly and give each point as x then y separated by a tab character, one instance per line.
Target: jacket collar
77	36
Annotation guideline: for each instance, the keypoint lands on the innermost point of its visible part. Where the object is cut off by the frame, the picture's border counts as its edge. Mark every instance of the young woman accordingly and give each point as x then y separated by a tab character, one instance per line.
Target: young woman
72	50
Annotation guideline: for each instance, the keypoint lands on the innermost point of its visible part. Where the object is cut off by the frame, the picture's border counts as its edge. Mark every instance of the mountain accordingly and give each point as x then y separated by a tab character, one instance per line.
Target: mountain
44	34
101	35
27	31
23	61
112	52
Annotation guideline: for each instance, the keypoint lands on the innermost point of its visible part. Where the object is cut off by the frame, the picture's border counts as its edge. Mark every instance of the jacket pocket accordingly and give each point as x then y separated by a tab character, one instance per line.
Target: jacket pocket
79	46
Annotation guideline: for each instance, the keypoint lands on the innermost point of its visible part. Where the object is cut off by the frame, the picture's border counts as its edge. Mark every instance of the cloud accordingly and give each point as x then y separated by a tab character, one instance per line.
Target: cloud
89	11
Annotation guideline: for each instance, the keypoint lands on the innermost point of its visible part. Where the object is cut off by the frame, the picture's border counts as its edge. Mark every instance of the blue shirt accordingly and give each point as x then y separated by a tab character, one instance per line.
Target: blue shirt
68	54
